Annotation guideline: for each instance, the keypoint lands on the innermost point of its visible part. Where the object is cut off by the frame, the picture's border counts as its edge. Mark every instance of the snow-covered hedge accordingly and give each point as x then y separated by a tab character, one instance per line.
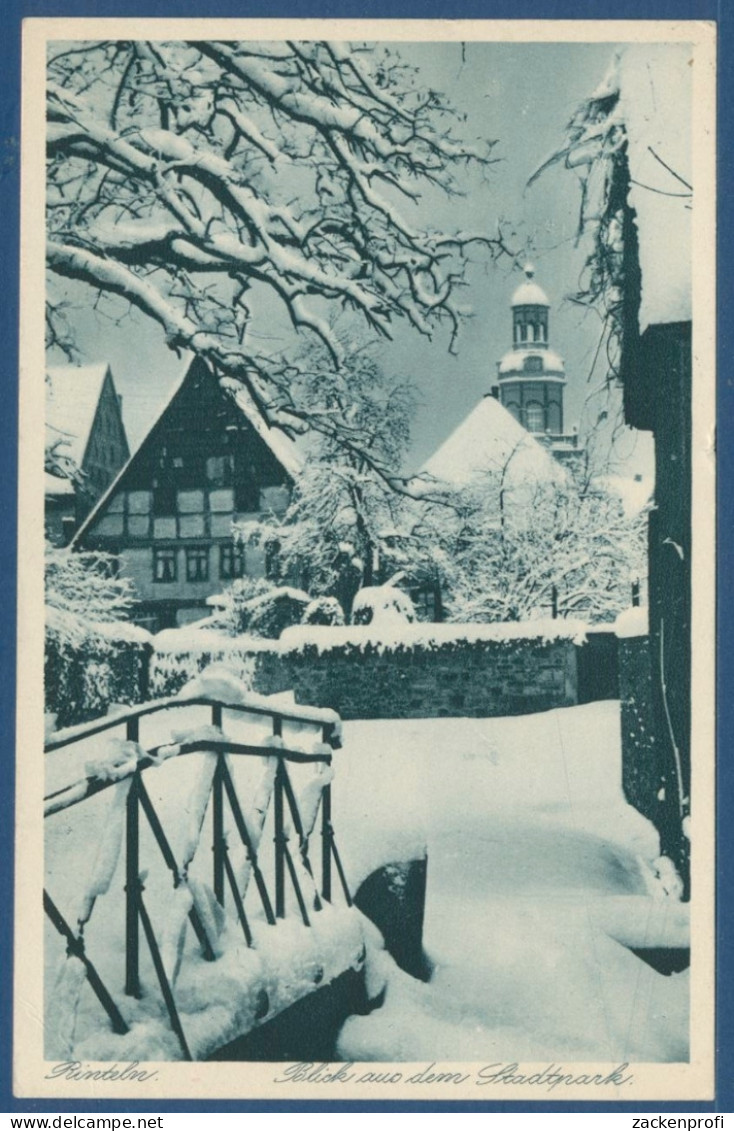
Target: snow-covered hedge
84	676
324	611
179	654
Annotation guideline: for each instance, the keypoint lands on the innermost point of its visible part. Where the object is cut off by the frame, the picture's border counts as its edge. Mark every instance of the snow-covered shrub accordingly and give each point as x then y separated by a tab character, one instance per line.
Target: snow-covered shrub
382	605
275	611
179	655
232	615
324	611
257	607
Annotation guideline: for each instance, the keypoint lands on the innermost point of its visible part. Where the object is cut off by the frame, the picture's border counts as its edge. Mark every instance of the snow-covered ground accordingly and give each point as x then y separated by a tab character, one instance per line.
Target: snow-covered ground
536	868
538	872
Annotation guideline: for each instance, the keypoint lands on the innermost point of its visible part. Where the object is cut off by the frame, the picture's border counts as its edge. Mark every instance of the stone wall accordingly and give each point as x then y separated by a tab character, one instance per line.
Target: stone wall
460	674
463	679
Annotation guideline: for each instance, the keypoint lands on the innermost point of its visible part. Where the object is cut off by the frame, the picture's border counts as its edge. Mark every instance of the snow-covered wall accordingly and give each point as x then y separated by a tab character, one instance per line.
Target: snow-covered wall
367	672
463	675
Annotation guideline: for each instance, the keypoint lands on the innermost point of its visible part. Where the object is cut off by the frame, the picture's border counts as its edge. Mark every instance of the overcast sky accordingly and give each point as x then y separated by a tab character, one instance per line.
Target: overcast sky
522	95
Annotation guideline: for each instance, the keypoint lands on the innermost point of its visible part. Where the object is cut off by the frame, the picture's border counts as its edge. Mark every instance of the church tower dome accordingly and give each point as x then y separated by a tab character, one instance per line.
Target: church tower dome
532	376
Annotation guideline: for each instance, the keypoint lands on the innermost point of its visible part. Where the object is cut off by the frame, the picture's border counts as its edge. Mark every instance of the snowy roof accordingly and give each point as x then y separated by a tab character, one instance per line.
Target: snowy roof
530	294
514	362
72	397
490	440
55	485
282	447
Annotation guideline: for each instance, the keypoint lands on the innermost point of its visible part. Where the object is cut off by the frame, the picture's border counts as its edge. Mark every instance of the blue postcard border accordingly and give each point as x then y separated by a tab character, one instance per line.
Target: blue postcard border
13	14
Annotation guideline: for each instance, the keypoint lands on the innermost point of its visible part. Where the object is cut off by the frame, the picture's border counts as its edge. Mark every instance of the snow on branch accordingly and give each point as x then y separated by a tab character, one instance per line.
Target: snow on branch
183	175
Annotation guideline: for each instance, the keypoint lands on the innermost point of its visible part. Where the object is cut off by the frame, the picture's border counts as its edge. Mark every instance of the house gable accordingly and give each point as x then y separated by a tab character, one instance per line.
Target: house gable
203	465
84	426
106	450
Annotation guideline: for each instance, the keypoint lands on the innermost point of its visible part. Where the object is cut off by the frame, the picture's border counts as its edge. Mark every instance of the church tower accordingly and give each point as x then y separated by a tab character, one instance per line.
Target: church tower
531	375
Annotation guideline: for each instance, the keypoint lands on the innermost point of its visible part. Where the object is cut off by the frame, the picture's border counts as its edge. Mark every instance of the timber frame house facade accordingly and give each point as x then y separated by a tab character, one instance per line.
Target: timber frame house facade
207	462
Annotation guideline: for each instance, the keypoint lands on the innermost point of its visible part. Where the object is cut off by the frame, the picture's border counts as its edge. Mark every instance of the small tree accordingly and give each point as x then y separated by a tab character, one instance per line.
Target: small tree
351	521
560	551
83	590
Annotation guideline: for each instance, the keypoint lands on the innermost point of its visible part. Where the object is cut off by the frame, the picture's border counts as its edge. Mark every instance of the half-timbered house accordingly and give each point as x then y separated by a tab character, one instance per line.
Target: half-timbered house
209	460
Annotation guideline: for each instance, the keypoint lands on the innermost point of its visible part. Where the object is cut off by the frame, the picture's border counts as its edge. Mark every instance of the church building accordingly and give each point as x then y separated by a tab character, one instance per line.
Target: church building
515	434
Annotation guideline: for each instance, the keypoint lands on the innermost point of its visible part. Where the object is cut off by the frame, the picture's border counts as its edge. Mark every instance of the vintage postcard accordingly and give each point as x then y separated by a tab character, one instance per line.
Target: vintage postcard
366	617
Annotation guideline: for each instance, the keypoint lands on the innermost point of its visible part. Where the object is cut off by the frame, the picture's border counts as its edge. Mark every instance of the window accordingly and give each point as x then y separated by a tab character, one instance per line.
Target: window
164	563
219	470
533	364
425	603
197	563
535	417
231	561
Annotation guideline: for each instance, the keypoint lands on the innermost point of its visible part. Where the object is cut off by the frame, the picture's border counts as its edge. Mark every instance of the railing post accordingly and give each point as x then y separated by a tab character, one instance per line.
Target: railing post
279	837
326	843
218	845
132	878
326	831
218	830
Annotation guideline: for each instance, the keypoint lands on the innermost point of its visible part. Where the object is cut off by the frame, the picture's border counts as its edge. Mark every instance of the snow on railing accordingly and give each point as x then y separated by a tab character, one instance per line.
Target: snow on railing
121	770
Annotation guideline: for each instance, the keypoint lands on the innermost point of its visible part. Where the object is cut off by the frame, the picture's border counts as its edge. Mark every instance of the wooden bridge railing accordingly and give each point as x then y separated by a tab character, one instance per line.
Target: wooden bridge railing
222	795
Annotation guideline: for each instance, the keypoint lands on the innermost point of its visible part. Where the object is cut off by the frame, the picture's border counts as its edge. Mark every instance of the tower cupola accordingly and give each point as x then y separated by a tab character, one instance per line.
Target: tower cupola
531	376
530	308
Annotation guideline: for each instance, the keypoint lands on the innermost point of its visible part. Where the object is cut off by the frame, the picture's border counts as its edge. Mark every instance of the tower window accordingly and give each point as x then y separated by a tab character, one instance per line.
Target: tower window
533	365
534	417
554	418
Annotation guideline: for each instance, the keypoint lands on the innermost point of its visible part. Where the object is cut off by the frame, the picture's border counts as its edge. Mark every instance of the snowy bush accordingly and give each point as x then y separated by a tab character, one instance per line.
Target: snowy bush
270	614
232	615
179	656
257	607
382	605
324	611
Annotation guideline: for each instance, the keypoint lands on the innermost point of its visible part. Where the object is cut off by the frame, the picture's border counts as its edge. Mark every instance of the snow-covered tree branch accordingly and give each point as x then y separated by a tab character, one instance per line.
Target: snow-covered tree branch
199	181
84	590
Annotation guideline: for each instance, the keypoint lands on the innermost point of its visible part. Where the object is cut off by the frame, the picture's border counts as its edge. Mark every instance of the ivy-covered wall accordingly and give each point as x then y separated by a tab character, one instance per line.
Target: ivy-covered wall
459	675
